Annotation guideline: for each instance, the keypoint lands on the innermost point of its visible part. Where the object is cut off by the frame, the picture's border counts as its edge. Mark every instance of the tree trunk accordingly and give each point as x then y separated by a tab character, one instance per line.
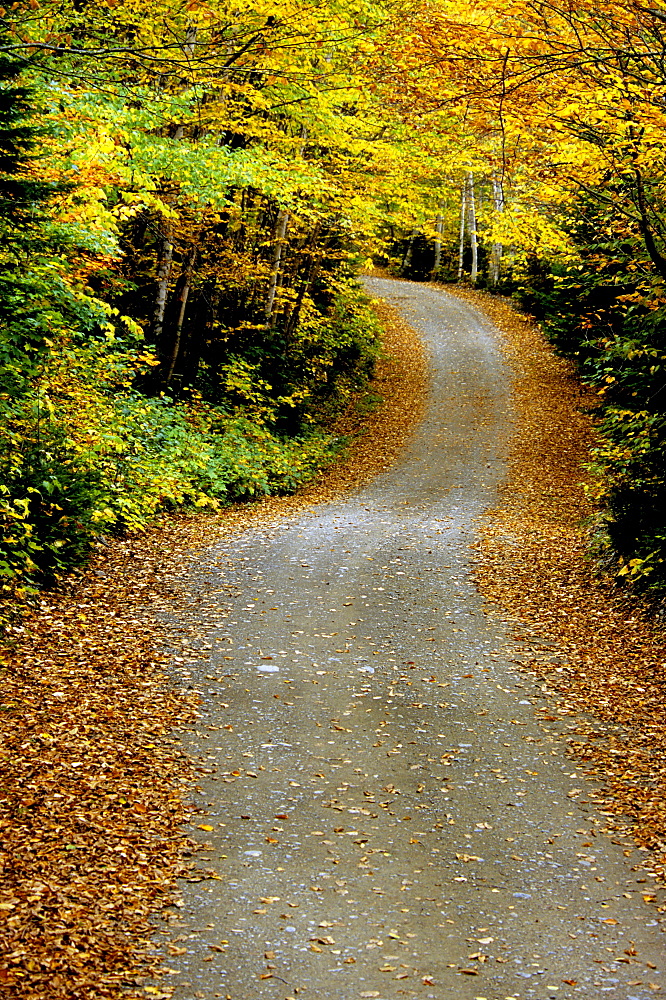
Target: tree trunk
193	339
165	253
190	41
407	259
473	239
180	301
463	220
439	226
310	271
306	284
280	234
164	265
497	249
645	227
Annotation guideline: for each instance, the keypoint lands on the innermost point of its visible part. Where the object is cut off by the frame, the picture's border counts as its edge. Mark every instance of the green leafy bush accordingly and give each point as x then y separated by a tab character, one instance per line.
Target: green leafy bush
99	428
607	312
86	453
83	452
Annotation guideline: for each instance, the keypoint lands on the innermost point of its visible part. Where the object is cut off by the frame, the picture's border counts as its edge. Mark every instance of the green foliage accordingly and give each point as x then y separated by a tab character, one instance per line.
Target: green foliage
632	461
20	194
607	311
179	323
303	376
85	453
18	547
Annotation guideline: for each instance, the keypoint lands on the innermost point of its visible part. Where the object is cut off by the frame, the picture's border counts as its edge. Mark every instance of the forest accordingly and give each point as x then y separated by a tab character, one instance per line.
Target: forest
189	191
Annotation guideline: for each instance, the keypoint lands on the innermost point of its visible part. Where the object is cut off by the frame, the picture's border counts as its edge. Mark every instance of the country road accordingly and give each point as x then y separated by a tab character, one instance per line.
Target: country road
387	818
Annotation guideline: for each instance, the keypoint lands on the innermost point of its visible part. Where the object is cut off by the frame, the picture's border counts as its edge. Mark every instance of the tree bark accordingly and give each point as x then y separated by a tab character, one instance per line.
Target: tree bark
164	265
497	249
407	259
463	220
473	238
180	299
280	240
645	227
310	270
280	235
439	225
165	253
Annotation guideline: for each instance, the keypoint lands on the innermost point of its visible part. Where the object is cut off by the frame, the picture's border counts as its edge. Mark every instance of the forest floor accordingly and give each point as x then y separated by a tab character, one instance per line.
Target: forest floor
92	819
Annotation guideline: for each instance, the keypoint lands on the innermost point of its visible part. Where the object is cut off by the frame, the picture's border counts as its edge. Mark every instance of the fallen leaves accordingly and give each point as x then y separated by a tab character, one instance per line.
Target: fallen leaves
90	819
604	653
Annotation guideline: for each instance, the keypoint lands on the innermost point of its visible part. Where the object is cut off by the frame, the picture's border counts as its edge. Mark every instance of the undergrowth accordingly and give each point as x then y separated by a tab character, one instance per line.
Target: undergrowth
84	453
613	325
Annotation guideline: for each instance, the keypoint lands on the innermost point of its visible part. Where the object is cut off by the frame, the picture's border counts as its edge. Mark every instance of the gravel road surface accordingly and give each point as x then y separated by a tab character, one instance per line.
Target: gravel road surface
388	819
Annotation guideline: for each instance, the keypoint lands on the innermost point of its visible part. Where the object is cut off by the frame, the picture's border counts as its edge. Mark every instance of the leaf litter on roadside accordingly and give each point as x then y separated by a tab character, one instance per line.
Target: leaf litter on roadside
599	650
94	798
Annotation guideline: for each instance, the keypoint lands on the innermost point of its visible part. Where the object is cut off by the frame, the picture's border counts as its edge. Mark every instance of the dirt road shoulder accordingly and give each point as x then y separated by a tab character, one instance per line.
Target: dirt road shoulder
603	656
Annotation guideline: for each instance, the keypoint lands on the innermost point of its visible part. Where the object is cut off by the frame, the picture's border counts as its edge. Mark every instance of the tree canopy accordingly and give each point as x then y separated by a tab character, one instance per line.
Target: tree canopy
187	191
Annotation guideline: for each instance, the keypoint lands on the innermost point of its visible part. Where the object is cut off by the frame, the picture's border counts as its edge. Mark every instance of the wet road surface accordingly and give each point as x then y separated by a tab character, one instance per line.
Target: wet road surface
386	816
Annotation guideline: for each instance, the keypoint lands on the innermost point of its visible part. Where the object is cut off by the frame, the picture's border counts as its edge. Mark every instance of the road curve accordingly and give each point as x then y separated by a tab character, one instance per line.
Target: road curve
387	819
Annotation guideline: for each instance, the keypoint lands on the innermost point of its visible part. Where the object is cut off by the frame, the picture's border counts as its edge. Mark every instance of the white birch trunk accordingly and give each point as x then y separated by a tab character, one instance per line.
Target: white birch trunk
439	225
473	238
185	282
280	234
407	259
463	220
497	249
164	265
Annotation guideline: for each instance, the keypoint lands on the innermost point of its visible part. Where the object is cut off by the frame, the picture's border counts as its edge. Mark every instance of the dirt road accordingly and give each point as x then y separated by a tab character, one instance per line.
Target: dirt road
385	816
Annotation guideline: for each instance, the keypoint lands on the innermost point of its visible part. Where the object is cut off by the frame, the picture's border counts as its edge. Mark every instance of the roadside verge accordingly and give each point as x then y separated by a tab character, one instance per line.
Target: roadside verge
91	817
596	648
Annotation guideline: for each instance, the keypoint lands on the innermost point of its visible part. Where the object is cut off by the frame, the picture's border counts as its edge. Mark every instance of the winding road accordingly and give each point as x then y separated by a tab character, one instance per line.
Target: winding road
384	815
